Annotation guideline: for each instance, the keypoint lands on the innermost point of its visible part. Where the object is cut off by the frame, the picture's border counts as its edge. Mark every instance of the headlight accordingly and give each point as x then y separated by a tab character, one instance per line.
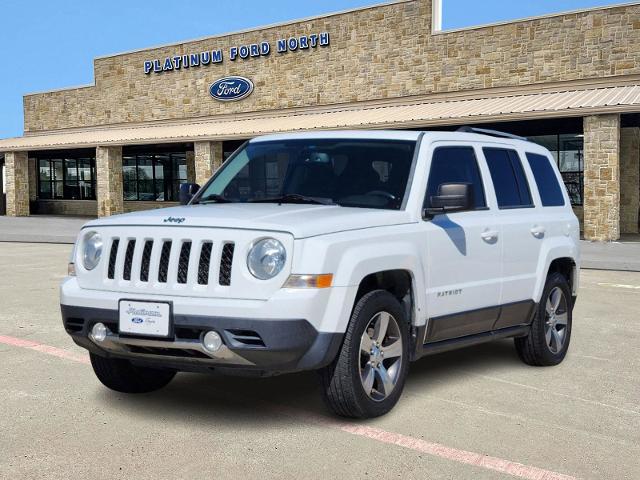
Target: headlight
266	258
91	250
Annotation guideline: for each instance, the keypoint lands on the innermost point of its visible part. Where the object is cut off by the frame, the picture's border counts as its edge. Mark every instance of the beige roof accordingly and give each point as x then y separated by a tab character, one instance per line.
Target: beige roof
574	102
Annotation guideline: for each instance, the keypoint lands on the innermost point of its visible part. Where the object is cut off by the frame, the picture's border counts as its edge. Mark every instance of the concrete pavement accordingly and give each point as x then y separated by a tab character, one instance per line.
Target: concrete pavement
578	420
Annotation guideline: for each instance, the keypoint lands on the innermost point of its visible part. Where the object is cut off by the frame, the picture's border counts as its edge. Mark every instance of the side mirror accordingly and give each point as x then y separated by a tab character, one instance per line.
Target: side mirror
452	197
187	192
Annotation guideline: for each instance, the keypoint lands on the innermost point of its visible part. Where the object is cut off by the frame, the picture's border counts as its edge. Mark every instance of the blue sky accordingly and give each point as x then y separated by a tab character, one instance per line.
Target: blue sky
49	44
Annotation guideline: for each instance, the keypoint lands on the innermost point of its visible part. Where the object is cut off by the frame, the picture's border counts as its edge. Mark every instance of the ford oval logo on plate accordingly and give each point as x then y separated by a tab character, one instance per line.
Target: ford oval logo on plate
231	89
137	320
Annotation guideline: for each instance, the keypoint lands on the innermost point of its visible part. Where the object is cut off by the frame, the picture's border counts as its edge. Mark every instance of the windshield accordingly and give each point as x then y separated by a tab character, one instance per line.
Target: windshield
353	173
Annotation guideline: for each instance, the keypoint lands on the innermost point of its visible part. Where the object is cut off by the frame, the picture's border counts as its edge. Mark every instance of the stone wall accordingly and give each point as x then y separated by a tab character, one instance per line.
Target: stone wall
17	173
78	208
208	158
375	53
109	181
141	206
629	179
602	177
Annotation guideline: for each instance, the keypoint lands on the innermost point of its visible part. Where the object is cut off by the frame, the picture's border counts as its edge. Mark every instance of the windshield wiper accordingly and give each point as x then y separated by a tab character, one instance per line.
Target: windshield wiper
213	198
295	198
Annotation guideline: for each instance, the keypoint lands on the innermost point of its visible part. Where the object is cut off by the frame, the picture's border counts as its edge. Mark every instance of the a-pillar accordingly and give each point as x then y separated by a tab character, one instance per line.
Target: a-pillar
17	172
109	181
602	177
208	159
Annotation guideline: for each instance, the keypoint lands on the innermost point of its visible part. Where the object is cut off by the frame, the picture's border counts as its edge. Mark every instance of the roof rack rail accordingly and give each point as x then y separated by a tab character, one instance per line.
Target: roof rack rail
493	133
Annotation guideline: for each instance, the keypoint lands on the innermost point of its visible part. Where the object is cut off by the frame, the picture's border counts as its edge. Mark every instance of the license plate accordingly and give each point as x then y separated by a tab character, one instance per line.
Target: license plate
145	318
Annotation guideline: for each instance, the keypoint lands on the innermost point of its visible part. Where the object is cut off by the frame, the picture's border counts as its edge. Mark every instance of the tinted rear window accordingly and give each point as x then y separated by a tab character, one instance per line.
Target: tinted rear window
546	180
509	179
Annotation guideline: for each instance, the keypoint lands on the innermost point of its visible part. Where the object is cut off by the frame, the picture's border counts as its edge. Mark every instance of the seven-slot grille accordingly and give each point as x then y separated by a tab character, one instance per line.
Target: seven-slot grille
182	263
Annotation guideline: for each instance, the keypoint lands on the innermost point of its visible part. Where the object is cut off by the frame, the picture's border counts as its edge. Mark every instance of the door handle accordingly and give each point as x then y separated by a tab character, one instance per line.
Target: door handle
538	231
489	235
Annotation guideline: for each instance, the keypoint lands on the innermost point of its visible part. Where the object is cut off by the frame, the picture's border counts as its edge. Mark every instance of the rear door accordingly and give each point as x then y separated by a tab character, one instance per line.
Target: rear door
464	250
524	228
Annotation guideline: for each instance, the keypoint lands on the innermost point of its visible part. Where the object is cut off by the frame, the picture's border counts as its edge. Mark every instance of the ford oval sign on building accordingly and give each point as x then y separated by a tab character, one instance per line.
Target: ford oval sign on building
231	89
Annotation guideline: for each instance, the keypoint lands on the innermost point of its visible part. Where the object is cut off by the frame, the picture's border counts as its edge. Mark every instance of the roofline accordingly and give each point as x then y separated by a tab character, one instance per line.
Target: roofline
536	17
259	28
61	89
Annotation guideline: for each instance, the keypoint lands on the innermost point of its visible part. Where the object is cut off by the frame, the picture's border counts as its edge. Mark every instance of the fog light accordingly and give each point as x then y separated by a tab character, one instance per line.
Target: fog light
212	342
99	332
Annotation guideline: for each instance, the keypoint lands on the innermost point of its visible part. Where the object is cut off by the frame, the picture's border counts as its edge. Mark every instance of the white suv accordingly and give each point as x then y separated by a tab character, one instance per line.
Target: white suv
350	253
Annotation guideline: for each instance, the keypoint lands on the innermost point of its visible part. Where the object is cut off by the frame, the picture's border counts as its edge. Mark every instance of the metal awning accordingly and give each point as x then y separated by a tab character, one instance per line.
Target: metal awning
576	102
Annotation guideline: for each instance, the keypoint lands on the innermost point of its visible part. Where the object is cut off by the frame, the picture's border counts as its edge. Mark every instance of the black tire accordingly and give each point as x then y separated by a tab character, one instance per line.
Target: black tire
534	349
342	387
122	376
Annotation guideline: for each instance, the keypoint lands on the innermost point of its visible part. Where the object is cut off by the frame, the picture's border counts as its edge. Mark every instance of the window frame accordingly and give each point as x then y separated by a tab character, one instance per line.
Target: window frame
170	180
63	159
478	167
510	150
564	194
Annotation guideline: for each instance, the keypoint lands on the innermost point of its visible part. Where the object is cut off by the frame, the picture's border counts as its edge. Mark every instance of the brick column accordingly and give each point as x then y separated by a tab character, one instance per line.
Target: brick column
17	172
602	177
33	179
191	167
208	158
109	181
629	179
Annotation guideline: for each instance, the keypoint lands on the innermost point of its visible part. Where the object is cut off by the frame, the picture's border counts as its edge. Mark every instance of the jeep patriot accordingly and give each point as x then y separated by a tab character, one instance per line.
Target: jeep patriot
349	253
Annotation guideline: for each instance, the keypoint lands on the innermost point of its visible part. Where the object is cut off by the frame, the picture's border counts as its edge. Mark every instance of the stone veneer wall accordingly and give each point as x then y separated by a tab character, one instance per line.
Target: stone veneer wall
629	179
79	208
109	181
376	53
208	158
141	206
602	177
17	173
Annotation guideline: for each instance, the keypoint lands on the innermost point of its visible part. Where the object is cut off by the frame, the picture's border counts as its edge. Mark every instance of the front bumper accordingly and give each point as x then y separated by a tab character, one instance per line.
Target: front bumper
251	346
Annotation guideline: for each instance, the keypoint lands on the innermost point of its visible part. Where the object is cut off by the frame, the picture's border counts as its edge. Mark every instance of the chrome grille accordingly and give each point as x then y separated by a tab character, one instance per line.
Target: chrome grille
179	262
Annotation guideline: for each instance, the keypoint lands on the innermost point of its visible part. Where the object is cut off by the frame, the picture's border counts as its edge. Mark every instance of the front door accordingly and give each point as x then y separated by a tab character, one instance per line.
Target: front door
464	264
3	188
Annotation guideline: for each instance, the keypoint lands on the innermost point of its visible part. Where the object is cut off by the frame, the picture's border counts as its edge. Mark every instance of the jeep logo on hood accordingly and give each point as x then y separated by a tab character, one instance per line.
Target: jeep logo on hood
174	220
229	89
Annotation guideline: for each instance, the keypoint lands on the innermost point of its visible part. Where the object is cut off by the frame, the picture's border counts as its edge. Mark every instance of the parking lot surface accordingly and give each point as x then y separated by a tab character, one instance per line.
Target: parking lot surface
474	413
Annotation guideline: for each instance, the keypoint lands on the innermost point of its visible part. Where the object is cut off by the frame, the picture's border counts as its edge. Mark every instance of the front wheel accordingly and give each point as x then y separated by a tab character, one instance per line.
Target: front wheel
122	376
367	377
548	339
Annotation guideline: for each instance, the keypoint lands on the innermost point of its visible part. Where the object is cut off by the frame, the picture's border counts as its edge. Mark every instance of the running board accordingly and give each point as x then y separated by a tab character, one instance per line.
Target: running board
470	340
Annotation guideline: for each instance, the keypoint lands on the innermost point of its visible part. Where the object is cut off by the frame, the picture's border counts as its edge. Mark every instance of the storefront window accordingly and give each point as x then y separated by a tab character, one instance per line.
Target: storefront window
154	177
567	150
66	177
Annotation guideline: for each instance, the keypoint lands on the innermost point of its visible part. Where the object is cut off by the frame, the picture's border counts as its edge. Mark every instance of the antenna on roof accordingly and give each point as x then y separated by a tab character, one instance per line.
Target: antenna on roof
493	133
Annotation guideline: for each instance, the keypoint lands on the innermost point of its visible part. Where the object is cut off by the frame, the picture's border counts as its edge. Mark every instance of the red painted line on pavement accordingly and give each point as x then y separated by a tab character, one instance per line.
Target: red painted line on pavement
42	348
434	449
460	456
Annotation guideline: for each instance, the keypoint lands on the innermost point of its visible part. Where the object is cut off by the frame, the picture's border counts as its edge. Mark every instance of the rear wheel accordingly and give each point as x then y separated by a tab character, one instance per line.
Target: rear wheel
367	377
548	340
122	376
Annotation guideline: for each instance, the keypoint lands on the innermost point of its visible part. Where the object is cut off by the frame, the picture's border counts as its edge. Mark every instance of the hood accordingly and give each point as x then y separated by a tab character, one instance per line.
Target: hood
300	220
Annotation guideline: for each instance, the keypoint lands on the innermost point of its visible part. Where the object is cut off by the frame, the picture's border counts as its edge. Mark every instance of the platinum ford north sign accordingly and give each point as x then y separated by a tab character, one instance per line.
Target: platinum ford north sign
243	52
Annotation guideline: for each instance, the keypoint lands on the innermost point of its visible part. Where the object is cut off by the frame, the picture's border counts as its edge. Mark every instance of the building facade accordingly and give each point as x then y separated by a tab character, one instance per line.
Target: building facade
159	117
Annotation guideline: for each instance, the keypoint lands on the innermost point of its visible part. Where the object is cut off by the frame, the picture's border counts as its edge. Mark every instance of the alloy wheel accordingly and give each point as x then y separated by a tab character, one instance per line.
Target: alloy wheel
381	352
556	318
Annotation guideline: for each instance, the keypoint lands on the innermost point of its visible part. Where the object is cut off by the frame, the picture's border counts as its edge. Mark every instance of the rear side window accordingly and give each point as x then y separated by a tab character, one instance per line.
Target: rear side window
455	165
509	179
546	180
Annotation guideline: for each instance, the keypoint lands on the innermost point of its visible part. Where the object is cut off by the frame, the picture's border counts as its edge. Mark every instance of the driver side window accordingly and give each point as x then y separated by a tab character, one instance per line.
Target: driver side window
455	165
